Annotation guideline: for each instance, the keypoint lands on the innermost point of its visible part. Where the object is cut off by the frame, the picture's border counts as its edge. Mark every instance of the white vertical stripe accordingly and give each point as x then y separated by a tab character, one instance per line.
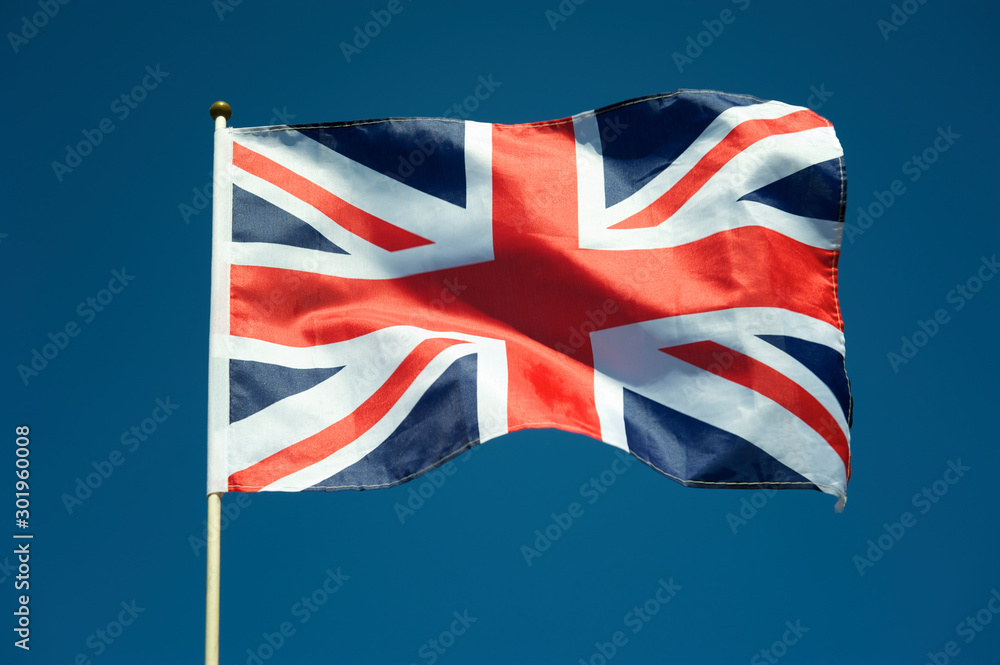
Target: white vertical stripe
218	339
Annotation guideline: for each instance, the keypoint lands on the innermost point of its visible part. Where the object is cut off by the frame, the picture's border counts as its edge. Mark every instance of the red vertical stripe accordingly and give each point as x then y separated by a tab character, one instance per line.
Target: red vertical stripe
536	241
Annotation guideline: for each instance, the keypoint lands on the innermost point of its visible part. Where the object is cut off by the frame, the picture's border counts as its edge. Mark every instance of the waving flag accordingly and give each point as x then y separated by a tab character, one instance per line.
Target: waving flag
660	275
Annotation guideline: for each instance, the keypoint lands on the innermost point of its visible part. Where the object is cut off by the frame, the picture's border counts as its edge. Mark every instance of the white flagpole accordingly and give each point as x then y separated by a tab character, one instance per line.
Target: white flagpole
212	579
220	112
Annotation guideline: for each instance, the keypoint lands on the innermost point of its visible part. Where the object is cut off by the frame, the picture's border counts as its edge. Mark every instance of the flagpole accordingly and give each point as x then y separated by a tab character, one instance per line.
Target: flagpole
212	579
220	112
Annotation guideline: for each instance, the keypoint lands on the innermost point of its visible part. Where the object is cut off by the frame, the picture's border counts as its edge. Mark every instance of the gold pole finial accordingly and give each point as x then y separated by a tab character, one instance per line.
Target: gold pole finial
221	108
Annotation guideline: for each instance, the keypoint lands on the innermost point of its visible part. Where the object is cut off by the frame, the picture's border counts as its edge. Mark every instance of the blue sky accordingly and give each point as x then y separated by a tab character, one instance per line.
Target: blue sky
106	259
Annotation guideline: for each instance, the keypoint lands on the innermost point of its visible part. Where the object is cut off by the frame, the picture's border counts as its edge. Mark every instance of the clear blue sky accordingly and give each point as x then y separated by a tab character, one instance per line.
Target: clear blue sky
118	576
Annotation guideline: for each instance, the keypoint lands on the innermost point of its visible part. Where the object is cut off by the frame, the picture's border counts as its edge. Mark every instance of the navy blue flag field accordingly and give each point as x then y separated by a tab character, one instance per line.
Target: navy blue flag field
660	275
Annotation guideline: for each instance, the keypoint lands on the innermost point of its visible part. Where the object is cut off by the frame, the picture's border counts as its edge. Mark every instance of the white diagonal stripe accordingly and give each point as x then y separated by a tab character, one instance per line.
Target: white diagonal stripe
716	206
629	356
368	362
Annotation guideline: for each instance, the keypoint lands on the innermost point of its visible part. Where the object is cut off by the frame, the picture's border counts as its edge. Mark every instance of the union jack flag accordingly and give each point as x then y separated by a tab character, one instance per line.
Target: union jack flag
660	275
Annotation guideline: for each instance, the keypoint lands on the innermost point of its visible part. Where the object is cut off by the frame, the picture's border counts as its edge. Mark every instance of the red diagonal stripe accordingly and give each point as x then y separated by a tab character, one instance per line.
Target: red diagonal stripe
328	441
739	139
769	382
376	231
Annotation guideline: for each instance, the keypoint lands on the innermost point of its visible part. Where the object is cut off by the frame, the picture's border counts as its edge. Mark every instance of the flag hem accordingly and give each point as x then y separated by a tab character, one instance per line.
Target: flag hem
218	345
